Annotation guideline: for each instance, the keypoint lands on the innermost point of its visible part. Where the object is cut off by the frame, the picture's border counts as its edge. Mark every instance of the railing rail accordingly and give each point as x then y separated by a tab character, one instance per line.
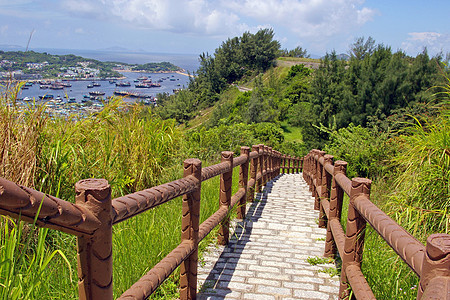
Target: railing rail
92	216
328	183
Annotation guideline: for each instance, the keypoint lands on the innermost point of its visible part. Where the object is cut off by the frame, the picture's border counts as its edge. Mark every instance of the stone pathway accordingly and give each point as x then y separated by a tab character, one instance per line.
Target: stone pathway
267	254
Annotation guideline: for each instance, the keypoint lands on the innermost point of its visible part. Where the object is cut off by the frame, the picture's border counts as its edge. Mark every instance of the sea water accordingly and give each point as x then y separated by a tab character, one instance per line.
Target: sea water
169	81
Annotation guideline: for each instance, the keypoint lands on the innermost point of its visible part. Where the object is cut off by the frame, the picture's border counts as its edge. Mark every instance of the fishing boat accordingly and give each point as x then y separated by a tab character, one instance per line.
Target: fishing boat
143	85
121	93
96	93
46	97
96	83
90	86
123	83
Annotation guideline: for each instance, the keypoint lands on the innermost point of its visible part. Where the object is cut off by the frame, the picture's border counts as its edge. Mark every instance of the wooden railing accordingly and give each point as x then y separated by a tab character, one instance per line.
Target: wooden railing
328	183
94	213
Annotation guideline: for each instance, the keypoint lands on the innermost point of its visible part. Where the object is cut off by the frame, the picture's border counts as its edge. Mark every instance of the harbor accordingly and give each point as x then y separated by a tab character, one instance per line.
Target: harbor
133	86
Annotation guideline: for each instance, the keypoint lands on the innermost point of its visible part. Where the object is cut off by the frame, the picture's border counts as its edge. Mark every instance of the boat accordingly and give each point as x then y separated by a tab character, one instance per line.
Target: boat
96	83
27	99
112	81
28	83
72	100
96	93
46	97
123	83
121	93
90	86
56	86
142	78
43	86
66	84
143	85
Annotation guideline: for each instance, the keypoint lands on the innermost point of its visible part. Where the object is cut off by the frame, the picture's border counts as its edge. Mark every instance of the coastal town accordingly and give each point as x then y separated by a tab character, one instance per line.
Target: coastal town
71	85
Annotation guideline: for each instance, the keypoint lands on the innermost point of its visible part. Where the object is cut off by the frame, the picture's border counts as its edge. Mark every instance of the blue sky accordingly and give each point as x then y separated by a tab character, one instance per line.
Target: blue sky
195	26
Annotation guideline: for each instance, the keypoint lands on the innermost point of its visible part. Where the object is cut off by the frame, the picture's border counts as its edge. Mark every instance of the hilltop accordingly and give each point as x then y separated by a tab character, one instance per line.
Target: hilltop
35	65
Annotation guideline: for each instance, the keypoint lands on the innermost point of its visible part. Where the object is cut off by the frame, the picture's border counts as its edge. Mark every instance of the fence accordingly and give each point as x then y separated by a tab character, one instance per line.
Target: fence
94	213
328	183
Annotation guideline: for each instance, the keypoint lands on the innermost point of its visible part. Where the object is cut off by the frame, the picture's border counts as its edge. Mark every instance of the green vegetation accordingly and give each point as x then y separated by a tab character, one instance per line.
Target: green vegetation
156	67
50	66
376	110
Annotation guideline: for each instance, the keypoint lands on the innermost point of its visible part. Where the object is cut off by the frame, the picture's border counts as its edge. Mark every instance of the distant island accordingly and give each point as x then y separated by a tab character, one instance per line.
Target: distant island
31	65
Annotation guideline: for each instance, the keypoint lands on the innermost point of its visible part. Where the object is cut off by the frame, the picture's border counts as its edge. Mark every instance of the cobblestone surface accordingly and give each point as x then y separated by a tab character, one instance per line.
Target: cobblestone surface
267	254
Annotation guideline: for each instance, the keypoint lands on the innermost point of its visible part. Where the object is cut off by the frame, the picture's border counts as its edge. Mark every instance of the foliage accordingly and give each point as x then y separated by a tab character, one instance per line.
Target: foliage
20	137
156	67
423	183
24	260
365	150
296	52
56	63
374	84
236	57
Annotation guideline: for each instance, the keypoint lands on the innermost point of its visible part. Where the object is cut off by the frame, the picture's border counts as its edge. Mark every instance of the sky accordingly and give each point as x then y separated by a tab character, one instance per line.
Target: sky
196	26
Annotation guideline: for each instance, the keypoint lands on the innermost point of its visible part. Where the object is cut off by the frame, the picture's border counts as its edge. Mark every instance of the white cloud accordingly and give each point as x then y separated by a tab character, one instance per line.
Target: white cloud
435	42
3	29
305	18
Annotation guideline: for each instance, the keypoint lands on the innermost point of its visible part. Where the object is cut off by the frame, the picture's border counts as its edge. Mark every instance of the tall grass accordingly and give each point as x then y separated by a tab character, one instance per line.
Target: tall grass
126	145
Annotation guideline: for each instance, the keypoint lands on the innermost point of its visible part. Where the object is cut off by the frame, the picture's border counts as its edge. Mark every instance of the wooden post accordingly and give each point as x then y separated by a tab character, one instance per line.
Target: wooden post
243	180
283	163
336	199
95	269
435	279
225	197
253	172
325	189
189	230
266	164
354	237
318	177
261	167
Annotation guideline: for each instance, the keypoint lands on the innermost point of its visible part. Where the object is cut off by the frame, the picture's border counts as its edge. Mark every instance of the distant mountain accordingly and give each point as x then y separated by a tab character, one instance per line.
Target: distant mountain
6	47
114	49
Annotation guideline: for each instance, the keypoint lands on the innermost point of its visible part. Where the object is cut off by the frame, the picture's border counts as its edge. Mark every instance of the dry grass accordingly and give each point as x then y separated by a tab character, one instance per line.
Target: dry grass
20	130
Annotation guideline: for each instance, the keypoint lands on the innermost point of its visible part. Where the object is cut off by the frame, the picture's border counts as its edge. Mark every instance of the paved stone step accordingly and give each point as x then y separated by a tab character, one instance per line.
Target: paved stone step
268	251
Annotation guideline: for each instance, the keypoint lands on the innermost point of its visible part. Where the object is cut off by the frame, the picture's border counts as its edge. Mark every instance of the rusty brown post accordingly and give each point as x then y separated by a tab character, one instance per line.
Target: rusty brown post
306	169
253	172
279	160
296	165
336	200
95	269
325	189
266	164
312	188
355	232
436	265
318	177
243	180
189	230
269	163
225	197
301	164
288	165
261	166
283	163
